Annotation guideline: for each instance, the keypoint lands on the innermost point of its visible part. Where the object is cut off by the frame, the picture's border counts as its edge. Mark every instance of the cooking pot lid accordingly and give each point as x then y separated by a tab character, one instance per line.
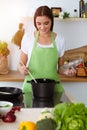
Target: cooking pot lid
9	90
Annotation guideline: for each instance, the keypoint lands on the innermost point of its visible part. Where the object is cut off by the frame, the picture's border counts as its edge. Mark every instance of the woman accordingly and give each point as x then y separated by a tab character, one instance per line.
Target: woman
43	51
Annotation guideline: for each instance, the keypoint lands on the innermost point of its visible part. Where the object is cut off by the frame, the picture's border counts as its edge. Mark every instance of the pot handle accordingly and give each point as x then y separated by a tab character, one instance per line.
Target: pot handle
28	81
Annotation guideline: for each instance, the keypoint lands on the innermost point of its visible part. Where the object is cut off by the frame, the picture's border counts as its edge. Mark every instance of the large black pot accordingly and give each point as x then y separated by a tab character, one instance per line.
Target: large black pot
9	92
44	88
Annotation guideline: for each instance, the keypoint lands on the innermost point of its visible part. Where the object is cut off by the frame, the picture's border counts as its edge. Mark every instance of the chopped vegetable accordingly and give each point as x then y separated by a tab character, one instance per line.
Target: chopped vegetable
46	120
46	114
70	116
46	124
6	105
27	125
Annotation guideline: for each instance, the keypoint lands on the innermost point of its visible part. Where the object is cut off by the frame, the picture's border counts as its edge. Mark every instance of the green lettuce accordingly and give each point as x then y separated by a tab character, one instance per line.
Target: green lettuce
70	116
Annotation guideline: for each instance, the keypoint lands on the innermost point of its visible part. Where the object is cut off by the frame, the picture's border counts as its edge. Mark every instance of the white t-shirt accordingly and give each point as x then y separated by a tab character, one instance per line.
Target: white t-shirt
28	42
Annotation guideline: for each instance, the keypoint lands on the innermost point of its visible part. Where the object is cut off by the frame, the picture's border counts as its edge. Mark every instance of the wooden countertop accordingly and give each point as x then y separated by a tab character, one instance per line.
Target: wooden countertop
12	76
64	78
15	76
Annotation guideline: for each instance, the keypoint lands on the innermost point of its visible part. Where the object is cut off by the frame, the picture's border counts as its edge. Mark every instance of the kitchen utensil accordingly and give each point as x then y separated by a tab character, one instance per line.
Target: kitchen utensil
4	92
29	73
9	92
32	77
44	88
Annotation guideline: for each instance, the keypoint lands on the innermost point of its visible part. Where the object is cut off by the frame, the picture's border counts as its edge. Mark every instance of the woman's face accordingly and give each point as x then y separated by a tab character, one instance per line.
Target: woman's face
43	24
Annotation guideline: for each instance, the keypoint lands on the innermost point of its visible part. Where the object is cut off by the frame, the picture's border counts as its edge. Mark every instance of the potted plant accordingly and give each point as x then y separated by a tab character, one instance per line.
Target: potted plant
4	52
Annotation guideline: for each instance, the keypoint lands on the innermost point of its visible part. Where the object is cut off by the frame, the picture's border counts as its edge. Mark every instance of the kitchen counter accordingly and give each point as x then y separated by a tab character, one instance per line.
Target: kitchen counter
29	114
12	76
24	115
15	76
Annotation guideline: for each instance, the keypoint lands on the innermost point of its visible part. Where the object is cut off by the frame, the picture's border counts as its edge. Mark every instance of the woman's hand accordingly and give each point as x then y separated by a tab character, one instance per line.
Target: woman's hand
68	71
23	69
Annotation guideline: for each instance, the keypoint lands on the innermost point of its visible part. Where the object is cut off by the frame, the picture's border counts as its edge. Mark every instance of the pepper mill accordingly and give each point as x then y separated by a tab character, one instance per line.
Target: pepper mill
81	8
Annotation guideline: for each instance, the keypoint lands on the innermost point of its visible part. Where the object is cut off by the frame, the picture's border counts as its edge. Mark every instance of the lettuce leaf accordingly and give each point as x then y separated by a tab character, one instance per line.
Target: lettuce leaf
70	116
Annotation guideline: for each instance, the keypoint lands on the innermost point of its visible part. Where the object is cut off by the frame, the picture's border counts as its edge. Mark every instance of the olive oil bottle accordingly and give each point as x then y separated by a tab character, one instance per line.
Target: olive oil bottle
81	8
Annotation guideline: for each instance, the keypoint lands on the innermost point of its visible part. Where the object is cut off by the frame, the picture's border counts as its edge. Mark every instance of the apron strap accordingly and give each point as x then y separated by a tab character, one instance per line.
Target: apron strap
36	38
53	40
52	36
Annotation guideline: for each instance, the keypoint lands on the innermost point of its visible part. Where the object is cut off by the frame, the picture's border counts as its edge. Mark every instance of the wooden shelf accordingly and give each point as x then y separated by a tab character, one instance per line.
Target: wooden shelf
27	18
71	19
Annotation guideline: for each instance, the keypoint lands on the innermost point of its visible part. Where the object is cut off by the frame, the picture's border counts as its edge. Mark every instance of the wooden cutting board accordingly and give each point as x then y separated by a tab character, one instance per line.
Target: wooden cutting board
76	53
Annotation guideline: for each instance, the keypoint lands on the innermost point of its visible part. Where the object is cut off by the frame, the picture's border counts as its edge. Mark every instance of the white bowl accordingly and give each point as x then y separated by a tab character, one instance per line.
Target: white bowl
5	107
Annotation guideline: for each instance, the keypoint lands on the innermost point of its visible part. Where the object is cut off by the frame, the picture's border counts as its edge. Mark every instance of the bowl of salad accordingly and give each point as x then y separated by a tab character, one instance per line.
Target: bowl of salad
5	107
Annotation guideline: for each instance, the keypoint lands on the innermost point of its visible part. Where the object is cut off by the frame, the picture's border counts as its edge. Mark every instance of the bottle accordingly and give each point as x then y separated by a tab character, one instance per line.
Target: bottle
81	8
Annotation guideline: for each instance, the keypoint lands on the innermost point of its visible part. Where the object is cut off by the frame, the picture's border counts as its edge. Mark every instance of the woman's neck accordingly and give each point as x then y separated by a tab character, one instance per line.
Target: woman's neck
45	38
45	35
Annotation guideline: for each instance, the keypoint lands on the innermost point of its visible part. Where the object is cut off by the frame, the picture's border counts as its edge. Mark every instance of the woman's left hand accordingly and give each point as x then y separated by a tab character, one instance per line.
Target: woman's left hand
70	71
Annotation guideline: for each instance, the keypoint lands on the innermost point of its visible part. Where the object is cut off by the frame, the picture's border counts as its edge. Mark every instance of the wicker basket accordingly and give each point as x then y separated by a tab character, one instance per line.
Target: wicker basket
3	65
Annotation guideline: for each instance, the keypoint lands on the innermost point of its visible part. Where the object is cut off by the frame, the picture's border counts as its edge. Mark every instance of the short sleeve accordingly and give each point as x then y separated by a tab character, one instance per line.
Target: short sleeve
24	44
27	43
60	45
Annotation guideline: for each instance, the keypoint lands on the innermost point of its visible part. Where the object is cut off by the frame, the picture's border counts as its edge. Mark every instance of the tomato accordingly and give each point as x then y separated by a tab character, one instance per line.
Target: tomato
80	65
16	108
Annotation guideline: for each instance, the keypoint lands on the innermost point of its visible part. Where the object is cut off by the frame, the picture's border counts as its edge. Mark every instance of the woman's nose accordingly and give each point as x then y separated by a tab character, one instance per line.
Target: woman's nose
42	26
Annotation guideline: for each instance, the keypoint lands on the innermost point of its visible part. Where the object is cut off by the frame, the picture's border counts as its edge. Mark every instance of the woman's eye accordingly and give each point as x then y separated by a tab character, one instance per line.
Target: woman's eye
46	23
38	23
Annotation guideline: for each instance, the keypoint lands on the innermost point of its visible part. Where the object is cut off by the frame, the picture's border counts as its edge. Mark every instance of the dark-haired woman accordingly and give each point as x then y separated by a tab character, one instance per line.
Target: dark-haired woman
43	50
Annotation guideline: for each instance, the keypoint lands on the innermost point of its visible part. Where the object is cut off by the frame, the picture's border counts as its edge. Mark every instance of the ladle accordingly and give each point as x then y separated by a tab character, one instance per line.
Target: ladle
29	73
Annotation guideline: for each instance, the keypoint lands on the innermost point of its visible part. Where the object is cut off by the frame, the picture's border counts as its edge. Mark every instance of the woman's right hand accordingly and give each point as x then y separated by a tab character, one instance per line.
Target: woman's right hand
23	69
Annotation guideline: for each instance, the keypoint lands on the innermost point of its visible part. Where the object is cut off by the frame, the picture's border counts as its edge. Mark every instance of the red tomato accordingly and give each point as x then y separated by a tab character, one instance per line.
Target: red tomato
80	65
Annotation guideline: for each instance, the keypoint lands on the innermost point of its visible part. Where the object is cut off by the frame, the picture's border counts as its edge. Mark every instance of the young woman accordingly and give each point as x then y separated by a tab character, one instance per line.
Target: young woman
43	50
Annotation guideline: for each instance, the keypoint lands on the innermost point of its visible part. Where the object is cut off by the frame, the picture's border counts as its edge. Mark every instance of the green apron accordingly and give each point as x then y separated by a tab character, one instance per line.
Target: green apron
43	64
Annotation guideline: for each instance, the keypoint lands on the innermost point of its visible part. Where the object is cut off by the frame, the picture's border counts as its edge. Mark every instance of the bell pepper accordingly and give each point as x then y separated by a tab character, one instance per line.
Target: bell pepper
27	125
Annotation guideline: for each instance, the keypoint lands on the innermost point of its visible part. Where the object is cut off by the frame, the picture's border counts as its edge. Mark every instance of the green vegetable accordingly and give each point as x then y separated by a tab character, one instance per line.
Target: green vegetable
70	116
46	114
6	105
46	124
